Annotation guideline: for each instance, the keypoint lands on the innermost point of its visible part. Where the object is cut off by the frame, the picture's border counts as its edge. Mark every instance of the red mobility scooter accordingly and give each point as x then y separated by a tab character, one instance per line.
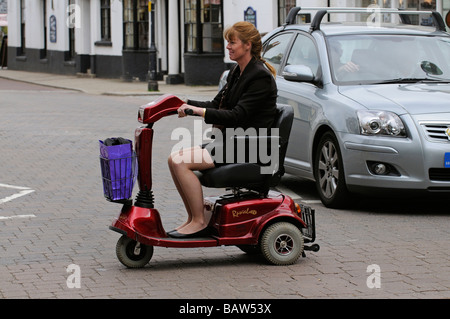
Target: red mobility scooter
251	216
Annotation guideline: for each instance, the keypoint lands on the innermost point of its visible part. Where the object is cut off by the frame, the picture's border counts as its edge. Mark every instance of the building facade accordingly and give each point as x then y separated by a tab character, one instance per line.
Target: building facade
117	38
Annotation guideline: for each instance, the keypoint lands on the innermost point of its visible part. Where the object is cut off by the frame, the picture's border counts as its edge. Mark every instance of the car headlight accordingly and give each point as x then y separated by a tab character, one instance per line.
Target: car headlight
381	123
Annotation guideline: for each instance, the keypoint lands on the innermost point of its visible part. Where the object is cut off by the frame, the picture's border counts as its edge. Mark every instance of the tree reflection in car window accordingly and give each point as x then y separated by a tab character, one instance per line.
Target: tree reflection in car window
275	49
304	52
381	58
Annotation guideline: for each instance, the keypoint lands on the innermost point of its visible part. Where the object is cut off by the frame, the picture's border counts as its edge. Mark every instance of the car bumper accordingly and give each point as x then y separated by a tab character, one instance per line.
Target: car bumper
418	163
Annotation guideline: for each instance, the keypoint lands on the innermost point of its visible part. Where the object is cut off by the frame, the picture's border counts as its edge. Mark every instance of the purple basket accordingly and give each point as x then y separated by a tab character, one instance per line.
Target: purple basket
119	167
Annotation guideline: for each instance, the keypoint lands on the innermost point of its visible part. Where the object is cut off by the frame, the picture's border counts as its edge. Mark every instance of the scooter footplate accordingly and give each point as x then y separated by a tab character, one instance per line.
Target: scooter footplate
177	242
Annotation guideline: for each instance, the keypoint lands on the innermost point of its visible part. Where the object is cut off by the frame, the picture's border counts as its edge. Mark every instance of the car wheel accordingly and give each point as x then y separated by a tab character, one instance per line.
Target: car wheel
329	172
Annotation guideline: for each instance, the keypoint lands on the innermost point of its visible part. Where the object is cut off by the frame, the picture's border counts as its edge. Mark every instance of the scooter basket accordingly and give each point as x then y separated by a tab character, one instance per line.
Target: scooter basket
119	176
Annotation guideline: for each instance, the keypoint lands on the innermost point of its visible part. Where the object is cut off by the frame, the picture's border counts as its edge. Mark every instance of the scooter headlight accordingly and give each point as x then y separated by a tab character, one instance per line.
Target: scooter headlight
381	123
141	114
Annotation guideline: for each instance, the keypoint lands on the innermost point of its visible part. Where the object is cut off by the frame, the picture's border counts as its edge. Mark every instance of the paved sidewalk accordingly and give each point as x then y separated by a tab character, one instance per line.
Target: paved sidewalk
103	86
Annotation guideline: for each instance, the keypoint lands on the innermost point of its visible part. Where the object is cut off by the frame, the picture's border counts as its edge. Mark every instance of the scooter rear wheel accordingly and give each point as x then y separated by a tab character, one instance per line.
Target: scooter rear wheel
132	253
282	243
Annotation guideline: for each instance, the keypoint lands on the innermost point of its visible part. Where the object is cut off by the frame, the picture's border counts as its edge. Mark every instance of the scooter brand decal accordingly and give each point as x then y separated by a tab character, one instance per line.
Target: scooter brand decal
237	213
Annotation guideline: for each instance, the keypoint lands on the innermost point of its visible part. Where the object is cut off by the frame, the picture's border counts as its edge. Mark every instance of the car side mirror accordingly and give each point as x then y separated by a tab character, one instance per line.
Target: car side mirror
430	68
298	73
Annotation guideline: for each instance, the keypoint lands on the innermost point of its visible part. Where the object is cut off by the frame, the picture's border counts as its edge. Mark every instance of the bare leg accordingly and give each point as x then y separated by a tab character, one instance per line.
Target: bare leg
180	190
182	165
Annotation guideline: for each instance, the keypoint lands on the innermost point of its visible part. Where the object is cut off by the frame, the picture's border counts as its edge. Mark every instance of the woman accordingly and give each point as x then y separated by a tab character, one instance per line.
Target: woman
248	100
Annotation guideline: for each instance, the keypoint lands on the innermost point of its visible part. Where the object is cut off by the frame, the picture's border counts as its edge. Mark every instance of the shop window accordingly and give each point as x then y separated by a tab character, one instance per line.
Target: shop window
191	25
284	6
105	18
135	24
70	55
21	50
203	26
43	52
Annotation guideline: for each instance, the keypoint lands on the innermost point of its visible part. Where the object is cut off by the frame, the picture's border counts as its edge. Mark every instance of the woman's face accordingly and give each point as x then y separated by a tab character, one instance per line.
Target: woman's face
237	49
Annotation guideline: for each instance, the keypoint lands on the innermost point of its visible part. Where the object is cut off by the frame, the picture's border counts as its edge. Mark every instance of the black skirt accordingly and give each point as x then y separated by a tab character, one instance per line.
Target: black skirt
231	151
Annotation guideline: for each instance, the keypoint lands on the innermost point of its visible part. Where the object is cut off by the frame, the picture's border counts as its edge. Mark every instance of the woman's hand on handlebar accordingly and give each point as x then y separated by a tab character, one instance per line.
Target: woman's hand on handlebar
183	110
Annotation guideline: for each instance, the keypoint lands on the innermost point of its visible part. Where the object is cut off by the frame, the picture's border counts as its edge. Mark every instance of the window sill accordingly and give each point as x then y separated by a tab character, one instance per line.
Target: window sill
103	43
70	63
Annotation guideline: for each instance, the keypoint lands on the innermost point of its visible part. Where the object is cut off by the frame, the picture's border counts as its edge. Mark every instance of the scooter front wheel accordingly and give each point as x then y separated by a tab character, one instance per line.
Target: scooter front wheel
282	243
132	253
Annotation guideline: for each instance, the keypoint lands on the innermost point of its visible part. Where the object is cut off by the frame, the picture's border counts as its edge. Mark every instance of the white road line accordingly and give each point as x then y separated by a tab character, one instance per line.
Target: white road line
24	191
296	196
288	192
311	201
17	217
17	195
12	186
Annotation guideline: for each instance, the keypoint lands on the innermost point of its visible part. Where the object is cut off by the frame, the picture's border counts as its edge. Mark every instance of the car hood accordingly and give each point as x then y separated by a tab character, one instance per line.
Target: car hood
421	98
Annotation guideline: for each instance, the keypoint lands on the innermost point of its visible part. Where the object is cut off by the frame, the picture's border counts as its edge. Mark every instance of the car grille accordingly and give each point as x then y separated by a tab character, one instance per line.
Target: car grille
437	131
439	174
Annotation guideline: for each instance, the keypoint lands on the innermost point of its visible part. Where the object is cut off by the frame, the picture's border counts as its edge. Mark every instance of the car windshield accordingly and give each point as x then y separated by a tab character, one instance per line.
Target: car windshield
378	59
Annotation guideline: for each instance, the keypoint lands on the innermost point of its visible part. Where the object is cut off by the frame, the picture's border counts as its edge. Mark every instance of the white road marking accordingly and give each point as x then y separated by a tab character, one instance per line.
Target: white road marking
17	217
296	196
23	191
311	201
12	186
17	195
288	192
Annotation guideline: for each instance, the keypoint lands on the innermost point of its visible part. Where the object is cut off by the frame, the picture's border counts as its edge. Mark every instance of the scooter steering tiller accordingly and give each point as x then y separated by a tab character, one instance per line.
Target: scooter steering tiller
268	223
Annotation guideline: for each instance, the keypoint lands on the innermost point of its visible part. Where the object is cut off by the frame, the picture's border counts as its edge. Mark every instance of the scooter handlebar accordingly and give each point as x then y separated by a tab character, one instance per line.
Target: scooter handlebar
163	106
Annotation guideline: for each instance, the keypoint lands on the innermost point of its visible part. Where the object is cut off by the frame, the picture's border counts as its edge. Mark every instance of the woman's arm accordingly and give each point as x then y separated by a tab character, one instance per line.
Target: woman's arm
251	103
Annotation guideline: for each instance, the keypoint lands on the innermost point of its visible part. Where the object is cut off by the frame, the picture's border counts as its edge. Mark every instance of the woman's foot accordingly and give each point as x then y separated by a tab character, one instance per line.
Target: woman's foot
201	233
192	230
207	212
192	227
185	224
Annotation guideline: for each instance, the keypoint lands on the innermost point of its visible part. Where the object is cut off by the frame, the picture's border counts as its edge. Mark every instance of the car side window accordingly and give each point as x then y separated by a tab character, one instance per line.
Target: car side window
304	52
275	49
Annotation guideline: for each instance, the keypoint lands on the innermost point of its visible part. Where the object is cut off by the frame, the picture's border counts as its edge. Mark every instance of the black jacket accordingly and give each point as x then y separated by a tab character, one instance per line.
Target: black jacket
249	100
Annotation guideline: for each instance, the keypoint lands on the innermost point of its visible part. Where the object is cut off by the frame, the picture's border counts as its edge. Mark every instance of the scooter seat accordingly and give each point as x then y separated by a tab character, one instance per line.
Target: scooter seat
234	175
249	175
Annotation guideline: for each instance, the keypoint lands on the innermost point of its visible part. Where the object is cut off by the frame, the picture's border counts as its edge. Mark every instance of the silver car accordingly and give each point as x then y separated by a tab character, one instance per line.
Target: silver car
371	103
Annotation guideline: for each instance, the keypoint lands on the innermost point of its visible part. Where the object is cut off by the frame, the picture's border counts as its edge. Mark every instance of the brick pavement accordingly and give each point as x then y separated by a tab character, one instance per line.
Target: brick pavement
49	143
